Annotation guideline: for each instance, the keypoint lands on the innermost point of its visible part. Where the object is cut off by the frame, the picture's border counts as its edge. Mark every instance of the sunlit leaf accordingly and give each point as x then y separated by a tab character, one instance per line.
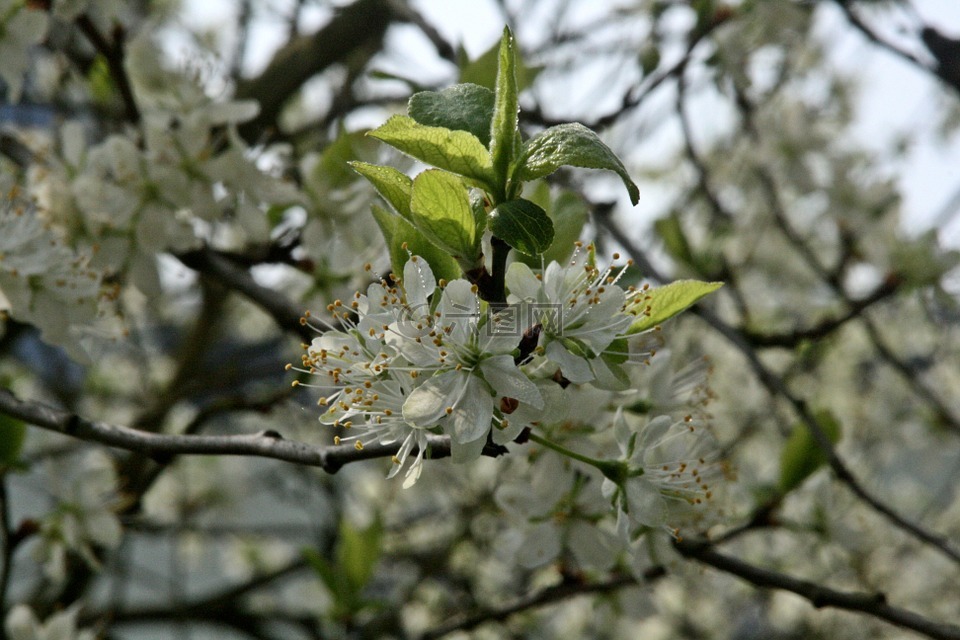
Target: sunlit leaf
662	303
456	151
522	225
570	144
462	107
801	456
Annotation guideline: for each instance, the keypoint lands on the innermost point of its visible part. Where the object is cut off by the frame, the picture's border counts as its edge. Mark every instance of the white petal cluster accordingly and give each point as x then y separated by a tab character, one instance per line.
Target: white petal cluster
671	465
43	282
182	179
21	28
427	357
84	517
22	624
421	358
578	311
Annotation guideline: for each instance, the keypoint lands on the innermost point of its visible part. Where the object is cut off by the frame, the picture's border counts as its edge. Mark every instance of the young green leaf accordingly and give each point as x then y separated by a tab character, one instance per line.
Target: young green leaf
441	210
569	213
569	144
402	239
662	303
801	456
522	225
462	107
395	187
456	151
504	135
12	434
358	551
332	168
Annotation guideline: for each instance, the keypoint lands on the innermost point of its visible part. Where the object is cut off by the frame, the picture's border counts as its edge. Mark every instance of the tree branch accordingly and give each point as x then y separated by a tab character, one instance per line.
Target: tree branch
113	53
284	312
873	604
358	27
265	444
556	593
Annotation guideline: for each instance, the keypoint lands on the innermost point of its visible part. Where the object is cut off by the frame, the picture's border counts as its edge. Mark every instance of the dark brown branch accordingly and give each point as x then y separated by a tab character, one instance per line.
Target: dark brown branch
279	307
827	326
557	593
113	53
355	29
873	604
946	72
265	444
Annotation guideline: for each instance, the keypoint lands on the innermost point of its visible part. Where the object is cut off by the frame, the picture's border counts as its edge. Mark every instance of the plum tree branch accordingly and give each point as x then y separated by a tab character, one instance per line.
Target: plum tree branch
265	444
357	28
873	604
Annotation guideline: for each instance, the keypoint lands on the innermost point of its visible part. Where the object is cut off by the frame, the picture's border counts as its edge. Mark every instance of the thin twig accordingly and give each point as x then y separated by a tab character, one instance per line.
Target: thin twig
873	604
113	53
284	312
543	597
265	444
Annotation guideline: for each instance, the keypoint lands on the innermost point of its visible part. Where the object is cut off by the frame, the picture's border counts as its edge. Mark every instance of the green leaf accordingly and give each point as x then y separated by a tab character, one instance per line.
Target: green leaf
332	169
394	186
441	211
456	151
504	136
326	573
398	232
569	213
462	107
570	144
662	303
674	239
358	551
12	434
801	455
522	225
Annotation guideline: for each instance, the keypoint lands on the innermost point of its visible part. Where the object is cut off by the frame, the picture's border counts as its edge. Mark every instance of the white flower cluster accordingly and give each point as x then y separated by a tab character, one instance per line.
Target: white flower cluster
22	624
43	282
183	178
21	28
426	357
84	518
670	464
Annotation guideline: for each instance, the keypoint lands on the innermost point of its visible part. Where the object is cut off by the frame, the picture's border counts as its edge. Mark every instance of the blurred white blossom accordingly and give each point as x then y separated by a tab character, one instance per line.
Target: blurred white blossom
22	624
21	28
84	517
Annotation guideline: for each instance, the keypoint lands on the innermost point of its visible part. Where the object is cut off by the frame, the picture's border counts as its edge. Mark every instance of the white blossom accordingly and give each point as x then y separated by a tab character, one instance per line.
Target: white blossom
671	469
21	28
84	517
579	311
22	624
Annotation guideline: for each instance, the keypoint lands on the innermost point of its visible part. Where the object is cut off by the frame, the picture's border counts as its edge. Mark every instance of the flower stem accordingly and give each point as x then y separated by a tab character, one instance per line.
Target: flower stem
613	470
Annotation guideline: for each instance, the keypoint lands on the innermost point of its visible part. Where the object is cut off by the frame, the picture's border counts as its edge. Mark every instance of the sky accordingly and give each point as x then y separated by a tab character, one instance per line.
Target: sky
896	98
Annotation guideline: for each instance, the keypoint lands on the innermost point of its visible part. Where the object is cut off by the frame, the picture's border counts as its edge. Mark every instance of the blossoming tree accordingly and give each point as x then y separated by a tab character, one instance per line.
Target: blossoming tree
238	303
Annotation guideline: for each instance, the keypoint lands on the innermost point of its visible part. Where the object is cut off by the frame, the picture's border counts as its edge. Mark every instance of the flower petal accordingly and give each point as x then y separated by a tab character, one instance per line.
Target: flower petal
428	403
521	282
647	506
509	381
574	368
461	452
472	414
418	283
